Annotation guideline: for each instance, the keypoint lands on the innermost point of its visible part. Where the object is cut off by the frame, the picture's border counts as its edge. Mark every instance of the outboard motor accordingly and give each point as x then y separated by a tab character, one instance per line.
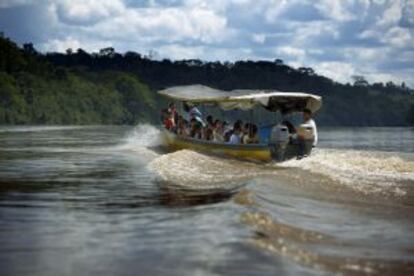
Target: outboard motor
279	139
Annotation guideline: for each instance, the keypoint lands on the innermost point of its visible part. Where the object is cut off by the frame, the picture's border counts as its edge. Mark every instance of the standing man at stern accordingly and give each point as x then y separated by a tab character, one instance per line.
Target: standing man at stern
308	123
308	120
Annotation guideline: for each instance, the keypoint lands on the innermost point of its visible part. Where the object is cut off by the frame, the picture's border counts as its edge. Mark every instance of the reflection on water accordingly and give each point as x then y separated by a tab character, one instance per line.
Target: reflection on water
83	200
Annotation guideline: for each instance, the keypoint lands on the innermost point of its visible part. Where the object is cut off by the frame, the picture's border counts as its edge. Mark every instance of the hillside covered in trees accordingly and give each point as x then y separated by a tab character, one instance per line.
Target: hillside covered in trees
111	88
35	91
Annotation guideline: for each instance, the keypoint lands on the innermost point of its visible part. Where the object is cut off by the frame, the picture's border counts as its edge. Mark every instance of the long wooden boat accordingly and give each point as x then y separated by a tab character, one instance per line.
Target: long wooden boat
252	152
276	149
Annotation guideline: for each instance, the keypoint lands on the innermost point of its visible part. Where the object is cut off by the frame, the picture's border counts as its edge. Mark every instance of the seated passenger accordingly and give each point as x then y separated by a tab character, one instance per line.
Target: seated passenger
252	137
225	126
173	111
193	112
176	124
227	131
245	131
208	134
218	131
182	128
210	122
235	136
195	129
169	121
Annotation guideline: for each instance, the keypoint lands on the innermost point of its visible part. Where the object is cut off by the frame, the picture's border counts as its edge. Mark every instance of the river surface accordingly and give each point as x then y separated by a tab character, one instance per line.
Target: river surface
106	200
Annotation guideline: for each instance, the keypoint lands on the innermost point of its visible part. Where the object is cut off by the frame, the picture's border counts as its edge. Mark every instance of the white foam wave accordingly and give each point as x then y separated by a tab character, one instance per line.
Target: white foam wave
141	139
365	171
144	135
194	170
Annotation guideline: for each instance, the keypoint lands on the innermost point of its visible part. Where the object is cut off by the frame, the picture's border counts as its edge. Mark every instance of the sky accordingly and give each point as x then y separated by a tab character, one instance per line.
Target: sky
337	38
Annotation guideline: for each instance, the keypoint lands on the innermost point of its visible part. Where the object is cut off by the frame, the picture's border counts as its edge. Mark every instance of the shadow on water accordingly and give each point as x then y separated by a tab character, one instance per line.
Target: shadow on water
171	195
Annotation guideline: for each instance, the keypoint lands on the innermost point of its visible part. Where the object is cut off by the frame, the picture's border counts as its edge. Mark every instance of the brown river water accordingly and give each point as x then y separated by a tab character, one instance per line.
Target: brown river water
108	200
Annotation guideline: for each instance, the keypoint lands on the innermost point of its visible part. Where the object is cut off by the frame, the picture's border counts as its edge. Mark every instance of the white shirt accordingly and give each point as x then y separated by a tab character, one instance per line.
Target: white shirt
234	139
195	113
312	124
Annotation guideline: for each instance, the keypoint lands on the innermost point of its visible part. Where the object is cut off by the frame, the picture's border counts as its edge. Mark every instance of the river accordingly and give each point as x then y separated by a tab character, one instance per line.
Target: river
81	200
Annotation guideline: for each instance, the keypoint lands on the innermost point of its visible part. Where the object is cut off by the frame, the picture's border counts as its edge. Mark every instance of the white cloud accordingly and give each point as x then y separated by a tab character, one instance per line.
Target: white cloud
339	71
275	9
305	31
88	11
291	52
398	37
338	10
259	38
365	54
391	14
407	15
169	24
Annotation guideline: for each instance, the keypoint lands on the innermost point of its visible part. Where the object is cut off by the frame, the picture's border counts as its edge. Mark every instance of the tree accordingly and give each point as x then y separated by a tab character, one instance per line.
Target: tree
278	62
132	55
359	80
107	52
390	84
29	48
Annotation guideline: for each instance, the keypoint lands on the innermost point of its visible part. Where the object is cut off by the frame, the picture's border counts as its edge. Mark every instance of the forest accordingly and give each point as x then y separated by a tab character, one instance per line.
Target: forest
107	87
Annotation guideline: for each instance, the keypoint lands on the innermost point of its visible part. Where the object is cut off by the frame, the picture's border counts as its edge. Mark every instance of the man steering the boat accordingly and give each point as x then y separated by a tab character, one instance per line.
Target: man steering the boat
309	123
308	120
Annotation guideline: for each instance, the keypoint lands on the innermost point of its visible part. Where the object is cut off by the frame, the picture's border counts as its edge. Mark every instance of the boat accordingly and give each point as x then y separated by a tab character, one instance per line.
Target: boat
278	146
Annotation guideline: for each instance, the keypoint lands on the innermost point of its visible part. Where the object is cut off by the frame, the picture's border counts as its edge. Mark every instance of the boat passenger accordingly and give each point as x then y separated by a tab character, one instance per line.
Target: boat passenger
195	131
193	112
218	131
307	119
208	135
235	136
252	137
210	122
182	129
245	131
173	111
169	121
309	122
225	125
227	131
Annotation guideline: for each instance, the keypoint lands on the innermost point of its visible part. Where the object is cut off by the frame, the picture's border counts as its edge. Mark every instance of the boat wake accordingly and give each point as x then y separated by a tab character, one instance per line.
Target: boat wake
193	170
365	172
368	172
144	140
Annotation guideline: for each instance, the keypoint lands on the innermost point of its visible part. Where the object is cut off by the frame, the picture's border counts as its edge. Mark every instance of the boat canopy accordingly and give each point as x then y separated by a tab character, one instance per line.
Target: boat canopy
244	99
